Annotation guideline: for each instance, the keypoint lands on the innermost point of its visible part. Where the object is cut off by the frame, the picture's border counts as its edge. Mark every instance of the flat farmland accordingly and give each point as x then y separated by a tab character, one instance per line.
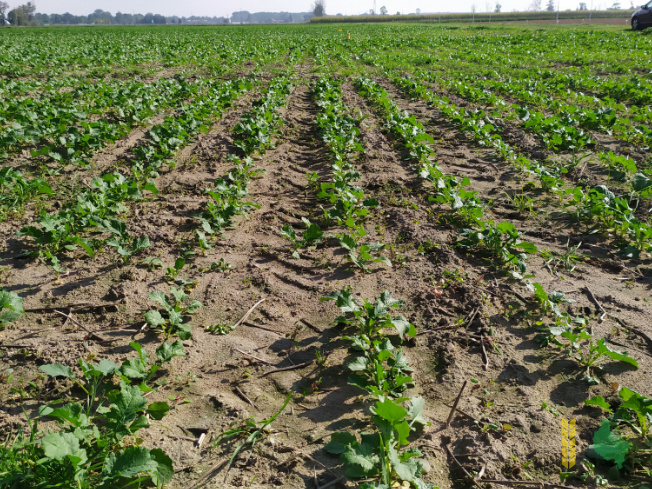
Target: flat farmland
372	256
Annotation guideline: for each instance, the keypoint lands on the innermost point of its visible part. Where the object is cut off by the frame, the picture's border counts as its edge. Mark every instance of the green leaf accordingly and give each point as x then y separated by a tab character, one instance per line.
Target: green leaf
194	305
154	318
165	470
609	445
641	405
348	243
526	247
141	422
183	331
390	411
408	470
178	294
130	463
167	351
57	370
312	233
179	263
339	441
641	181
598	401
106	367
160	298
11	306
415	411
158	410
360	459
115	226
403	327
288	232
151	187
127	404
61	445
72	413
133	369
614	354
358	364
343	299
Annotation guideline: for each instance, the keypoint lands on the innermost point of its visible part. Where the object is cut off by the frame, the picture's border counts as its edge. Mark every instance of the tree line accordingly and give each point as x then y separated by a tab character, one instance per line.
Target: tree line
26	15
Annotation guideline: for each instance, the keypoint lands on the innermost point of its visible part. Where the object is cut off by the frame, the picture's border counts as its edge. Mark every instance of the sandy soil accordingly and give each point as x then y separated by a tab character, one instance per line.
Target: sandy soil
455	300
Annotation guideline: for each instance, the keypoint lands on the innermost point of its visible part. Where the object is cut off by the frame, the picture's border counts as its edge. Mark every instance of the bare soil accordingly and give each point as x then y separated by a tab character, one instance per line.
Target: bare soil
455	300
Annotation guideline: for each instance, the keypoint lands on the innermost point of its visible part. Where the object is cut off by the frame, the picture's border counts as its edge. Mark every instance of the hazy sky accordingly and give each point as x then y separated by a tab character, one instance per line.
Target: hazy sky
346	7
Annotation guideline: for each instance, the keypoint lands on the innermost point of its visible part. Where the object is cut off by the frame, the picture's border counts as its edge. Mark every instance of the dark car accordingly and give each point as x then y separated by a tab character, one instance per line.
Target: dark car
642	18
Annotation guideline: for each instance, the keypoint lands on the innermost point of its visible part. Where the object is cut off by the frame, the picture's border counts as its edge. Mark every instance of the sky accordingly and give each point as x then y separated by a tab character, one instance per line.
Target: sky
221	8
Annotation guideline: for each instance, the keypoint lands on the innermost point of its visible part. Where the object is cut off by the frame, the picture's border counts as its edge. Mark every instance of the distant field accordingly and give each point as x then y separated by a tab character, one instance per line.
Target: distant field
579	15
304	250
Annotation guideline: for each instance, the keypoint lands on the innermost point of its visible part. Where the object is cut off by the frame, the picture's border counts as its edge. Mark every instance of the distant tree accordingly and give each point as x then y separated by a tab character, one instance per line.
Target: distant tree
418	11
551	6
100	17
582	6
535	6
398	13
498	8
4	6
319	8
239	17
383	10
23	15
614	6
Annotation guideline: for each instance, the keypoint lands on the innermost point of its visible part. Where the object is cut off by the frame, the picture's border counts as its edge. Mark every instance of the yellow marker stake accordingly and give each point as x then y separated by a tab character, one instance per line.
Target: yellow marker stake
568	443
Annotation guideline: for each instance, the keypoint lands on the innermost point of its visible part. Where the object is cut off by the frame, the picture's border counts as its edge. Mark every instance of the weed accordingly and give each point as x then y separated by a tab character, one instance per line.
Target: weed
174	310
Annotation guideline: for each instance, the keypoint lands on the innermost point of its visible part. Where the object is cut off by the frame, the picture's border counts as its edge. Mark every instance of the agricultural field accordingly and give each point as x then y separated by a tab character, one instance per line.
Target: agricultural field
277	257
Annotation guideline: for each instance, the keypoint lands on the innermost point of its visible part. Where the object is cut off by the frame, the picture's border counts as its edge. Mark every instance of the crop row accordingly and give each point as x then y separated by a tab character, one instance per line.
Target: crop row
597	207
502	241
85	219
252	135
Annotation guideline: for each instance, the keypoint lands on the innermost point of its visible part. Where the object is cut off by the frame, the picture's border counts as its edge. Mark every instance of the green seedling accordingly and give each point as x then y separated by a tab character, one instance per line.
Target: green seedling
172	320
370	319
379	454
141	369
220	328
90	445
361	255
125	244
522	203
567	259
171	273
503	243
11	307
312	236
202	240
548	303
222	266
595	353
381	369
